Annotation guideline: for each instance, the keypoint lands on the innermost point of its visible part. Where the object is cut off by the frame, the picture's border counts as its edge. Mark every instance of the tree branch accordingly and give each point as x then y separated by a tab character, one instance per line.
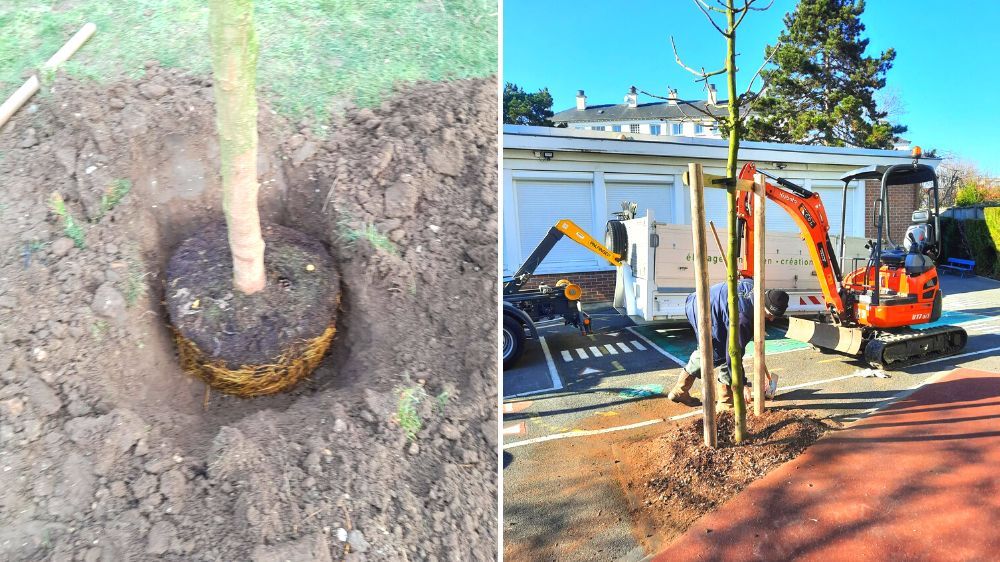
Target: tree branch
703	75
704	9
761	69
684	102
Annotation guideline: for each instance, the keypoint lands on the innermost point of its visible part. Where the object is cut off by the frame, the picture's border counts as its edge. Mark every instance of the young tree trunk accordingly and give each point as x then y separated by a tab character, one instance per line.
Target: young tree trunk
234	62
735	353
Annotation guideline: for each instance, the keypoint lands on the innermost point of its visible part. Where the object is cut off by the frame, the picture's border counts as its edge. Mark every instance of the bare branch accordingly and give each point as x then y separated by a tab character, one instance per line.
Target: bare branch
761	69
681	102
704	9
707	7
749	6
702	75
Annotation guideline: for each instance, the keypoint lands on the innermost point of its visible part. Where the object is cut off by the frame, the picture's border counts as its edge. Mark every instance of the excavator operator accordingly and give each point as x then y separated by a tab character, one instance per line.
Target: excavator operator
775	303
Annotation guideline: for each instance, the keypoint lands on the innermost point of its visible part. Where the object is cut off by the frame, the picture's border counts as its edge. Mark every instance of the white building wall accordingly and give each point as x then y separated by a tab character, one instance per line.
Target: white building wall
587	185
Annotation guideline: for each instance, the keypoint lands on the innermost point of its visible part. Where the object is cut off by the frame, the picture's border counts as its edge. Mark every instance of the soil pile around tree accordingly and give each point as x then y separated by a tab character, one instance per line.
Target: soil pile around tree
110	452
672	479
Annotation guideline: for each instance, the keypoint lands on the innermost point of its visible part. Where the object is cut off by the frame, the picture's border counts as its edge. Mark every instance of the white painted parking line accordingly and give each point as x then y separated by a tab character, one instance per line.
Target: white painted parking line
566	356
624	347
662	351
611	349
638	345
553	375
577	433
595	351
957	356
580	351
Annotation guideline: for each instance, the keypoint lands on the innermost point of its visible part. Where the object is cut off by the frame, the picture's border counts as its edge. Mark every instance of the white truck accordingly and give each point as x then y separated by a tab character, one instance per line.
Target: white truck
658	274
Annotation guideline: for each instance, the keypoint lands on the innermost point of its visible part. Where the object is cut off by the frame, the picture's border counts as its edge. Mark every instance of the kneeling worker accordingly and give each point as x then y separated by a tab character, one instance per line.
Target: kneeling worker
775	303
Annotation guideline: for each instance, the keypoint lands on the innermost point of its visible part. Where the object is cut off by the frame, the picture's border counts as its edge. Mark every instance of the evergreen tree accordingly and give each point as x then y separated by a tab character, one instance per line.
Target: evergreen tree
823	86
523	108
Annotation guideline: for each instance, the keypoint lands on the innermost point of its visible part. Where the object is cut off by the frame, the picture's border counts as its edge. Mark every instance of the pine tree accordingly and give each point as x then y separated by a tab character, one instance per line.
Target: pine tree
523	108
823	86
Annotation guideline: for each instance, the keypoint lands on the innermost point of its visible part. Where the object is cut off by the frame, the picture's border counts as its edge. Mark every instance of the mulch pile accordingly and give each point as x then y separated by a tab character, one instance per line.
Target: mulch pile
672	479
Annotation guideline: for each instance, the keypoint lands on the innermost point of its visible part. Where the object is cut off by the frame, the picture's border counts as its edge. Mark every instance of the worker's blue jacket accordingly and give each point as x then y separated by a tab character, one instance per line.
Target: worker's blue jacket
718	303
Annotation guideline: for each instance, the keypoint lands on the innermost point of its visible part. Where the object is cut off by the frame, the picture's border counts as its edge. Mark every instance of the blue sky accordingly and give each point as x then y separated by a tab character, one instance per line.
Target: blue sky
946	72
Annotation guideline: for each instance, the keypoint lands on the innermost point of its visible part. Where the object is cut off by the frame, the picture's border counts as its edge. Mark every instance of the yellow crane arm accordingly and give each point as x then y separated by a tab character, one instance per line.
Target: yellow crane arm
580	236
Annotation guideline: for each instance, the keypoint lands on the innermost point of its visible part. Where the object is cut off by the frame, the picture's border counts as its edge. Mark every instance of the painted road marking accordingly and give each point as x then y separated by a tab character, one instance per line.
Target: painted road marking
656	347
515	407
553	374
583	433
600	350
516	429
957	356
577	433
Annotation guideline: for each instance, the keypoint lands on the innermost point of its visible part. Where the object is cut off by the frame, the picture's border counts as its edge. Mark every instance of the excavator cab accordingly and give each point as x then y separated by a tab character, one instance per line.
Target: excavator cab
899	269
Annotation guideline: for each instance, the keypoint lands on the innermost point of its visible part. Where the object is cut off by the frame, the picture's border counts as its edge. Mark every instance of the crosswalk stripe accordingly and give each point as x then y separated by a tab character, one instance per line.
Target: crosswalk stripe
516	429
566	356
638	345
624	347
581	353
611	349
595	351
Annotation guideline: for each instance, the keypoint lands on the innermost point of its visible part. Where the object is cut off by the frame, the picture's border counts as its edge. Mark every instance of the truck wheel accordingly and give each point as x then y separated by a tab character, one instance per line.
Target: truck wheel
513	341
616	238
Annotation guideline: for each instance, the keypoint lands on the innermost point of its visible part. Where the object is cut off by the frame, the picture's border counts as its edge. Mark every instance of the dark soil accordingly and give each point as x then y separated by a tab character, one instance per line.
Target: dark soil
298	303
110	452
672	479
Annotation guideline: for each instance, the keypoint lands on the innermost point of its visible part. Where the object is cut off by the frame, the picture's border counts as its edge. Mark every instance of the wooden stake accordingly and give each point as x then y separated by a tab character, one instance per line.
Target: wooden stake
759	334
31	85
704	312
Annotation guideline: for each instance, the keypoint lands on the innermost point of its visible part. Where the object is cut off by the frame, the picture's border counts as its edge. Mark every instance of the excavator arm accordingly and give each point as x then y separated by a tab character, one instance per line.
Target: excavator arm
564	227
806	209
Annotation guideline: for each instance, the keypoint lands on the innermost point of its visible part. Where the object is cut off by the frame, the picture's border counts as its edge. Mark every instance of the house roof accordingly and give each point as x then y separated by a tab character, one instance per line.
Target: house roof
682	111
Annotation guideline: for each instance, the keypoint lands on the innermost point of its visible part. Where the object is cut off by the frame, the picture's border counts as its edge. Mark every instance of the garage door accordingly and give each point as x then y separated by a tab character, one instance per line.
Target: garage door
539	205
655	196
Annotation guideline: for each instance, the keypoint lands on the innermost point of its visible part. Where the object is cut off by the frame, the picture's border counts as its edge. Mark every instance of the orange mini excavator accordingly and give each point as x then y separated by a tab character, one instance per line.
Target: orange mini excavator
871	310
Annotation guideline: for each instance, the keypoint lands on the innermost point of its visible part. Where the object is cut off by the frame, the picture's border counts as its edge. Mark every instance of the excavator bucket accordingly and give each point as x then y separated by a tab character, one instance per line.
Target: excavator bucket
827	336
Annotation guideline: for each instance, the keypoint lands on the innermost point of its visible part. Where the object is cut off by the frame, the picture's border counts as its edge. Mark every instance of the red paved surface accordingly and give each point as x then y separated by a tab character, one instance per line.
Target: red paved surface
919	480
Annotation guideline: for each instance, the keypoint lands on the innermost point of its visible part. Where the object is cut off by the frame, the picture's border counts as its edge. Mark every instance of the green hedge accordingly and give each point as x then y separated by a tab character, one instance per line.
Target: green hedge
974	240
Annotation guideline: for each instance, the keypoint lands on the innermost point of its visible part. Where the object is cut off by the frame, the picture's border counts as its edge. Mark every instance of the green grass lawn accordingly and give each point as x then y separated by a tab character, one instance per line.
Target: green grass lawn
315	55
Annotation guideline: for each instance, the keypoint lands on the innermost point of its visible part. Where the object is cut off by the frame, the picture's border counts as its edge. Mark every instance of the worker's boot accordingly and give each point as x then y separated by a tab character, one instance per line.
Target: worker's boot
681	392
724	396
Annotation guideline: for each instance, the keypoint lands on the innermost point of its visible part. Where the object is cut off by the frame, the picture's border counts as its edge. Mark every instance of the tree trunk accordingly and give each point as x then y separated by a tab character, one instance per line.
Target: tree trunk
234	62
735	352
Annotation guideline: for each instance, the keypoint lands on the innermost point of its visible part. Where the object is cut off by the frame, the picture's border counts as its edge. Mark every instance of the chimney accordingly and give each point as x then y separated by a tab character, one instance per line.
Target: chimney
713	99
632	97
672	96
581	100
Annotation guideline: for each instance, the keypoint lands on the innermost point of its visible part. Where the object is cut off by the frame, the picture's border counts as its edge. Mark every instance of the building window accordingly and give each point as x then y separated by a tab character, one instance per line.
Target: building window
698	129
598	127
654	129
579	127
616	128
677	129
633	128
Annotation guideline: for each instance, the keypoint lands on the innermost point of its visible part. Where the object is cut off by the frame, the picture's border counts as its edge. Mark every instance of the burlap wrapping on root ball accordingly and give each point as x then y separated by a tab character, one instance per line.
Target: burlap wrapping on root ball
254	380
257	344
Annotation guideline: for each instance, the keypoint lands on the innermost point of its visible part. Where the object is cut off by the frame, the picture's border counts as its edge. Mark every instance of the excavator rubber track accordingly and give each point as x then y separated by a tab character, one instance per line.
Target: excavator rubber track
897	350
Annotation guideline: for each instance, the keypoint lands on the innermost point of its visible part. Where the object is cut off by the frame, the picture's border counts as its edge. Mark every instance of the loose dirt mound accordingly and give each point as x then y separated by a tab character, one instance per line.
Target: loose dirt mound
110	452
673	479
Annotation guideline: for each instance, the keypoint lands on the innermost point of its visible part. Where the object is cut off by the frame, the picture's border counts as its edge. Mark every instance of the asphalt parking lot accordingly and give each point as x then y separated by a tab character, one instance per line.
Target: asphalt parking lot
569	388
